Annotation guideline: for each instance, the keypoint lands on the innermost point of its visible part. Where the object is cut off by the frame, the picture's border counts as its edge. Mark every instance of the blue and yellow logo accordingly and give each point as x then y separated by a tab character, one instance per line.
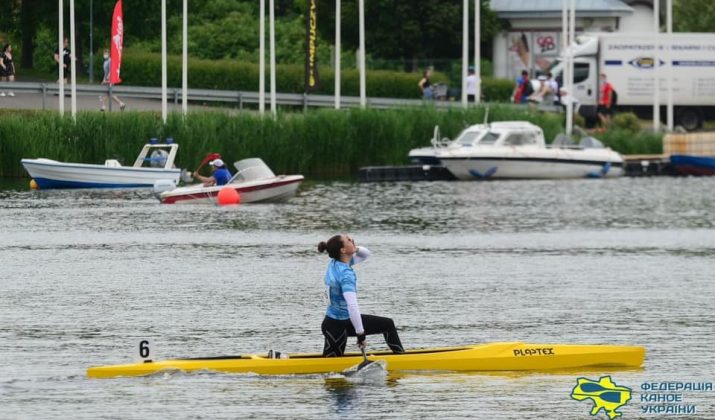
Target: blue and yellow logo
605	395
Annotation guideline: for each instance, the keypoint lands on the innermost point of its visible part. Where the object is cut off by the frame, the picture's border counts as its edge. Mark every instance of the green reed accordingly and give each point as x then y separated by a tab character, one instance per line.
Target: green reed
319	143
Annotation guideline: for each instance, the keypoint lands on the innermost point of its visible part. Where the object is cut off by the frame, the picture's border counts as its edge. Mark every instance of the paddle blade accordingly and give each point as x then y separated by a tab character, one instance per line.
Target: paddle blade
367	371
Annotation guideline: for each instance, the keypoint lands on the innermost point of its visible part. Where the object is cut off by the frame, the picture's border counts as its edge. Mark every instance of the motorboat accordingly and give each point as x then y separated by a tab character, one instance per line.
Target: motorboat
488	357
517	150
693	164
254	181
155	163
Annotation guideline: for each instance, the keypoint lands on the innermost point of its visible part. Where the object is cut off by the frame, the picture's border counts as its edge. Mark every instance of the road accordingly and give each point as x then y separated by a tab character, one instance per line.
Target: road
86	102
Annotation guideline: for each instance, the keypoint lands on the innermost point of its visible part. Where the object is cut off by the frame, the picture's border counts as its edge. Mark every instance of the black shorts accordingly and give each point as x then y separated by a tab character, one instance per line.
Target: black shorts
68	69
604	110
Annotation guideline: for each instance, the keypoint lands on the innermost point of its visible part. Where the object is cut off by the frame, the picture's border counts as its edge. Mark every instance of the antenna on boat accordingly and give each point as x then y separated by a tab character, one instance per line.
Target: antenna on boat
486	117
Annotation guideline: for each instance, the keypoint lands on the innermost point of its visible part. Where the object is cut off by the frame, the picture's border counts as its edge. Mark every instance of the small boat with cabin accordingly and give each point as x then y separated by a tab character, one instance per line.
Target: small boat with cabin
517	150
155	163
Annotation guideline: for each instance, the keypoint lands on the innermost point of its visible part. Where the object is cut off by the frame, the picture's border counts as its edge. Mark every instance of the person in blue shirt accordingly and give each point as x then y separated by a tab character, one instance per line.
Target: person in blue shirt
220	175
343	318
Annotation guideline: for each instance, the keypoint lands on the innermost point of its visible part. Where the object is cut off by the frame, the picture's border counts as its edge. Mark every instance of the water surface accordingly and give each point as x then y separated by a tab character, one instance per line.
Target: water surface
87	275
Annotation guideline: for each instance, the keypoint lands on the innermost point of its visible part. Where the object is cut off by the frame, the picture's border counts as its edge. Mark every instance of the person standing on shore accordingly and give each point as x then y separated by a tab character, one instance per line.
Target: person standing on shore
425	85
7	67
106	66
472	81
63	61
605	102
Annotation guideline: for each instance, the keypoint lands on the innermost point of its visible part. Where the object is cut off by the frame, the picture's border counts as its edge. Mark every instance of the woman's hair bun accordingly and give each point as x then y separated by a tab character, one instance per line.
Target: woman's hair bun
322	246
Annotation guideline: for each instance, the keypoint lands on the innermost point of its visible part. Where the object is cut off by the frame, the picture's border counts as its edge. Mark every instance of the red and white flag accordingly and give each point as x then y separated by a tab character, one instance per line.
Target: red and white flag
115	51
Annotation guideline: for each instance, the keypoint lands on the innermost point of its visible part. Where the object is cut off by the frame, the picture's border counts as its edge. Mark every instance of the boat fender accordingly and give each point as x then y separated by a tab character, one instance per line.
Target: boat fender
163	185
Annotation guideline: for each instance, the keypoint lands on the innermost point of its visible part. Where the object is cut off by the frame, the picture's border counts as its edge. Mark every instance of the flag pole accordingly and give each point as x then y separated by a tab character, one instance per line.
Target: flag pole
73	65
61	59
272	46
262	58
669	61
184	58
337	54
656	67
465	49
477	50
163	61
361	12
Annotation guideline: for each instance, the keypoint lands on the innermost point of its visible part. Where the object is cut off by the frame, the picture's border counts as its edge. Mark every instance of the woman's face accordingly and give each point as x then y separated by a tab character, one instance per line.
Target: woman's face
349	247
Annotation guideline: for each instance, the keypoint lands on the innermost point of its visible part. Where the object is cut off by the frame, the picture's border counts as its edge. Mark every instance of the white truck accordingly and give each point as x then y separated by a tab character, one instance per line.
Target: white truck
628	62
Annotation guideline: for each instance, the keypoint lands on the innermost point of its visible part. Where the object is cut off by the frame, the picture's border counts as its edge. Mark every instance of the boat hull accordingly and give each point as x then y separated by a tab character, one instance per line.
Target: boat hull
514	356
49	174
276	189
693	165
536	166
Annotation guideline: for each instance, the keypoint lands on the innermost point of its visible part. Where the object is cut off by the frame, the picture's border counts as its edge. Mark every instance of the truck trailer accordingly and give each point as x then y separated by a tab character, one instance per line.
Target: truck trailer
629	63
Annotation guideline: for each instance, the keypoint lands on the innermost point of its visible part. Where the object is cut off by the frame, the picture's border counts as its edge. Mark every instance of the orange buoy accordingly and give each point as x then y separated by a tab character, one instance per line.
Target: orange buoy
33	185
227	196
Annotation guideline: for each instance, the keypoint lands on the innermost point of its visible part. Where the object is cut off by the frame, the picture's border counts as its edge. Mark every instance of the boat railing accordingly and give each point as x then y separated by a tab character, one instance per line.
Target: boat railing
437	141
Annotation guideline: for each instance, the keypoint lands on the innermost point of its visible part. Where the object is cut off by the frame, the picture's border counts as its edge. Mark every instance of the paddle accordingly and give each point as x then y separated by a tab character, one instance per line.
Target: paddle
355	369
364	362
209	157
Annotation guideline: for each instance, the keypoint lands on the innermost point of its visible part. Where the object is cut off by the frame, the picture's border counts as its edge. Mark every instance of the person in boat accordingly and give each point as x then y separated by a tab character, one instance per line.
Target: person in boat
343	318
220	175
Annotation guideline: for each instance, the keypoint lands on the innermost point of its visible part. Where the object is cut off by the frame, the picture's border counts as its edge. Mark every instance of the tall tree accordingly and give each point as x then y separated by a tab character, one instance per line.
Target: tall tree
694	16
406	29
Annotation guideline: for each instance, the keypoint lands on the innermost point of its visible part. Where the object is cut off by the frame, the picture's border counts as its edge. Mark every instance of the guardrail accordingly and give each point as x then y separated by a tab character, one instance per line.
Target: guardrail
237	97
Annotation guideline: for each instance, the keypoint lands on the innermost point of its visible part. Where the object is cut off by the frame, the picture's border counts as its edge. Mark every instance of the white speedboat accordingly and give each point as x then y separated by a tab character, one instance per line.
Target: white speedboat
154	163
517	150
254	182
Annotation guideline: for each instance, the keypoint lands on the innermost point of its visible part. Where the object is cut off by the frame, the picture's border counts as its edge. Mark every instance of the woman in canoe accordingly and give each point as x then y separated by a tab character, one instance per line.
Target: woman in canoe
343	318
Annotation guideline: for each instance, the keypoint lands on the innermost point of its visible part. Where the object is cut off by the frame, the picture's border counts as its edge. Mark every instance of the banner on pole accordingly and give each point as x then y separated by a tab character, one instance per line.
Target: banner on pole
311	43
115	51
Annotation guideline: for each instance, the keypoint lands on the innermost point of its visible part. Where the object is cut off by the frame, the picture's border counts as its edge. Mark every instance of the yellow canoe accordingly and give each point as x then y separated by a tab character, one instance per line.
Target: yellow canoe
515	356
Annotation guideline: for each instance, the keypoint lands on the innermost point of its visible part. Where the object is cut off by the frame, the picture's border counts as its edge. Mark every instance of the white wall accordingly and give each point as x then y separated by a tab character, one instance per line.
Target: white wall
640	21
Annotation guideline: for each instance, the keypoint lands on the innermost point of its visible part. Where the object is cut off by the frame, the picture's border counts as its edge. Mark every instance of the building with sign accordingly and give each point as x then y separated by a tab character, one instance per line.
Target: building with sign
533	40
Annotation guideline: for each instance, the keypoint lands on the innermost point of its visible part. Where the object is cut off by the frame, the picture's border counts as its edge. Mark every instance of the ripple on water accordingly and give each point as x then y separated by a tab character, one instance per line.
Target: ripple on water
87	275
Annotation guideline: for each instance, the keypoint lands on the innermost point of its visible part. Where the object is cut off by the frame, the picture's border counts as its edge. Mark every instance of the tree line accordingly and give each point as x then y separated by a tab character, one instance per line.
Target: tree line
400	30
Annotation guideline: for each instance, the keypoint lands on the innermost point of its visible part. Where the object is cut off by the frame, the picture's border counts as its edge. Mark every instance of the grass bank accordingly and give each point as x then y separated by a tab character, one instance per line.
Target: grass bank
321	143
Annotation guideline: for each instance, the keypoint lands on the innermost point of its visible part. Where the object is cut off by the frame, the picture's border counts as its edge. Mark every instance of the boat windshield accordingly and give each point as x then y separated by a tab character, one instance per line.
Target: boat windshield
469	138
522	138
490	138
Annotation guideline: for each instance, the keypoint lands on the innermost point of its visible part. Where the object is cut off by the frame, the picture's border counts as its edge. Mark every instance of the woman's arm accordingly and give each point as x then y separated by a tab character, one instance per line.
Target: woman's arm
361	255
354	311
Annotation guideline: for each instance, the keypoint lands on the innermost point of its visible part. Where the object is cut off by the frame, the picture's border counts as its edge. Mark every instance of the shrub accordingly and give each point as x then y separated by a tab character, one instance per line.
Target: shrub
319	143
144	69
627	121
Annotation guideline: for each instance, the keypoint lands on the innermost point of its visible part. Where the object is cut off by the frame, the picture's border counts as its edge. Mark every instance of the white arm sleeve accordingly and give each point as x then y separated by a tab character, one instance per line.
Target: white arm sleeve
361	255
354	311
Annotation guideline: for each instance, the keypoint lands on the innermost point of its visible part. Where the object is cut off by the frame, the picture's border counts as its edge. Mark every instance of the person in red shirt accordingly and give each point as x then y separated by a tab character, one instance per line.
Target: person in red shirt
605	101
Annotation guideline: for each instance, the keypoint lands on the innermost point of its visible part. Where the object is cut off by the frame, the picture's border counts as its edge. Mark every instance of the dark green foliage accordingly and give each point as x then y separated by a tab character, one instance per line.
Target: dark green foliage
407	29
632	143
320	143
627	121
145	69
693	16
